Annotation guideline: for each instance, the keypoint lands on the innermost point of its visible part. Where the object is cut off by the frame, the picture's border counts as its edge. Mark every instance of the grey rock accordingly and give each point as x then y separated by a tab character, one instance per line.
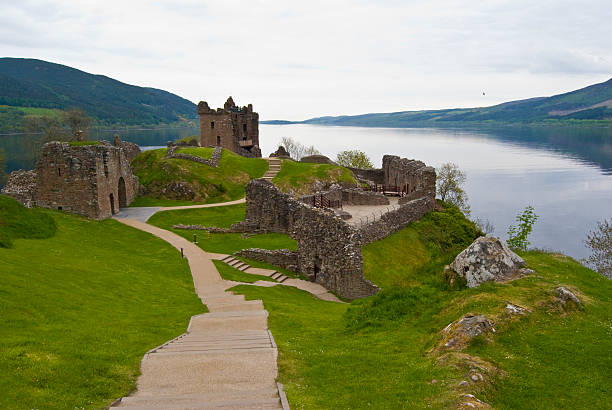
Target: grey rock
565	295
488	259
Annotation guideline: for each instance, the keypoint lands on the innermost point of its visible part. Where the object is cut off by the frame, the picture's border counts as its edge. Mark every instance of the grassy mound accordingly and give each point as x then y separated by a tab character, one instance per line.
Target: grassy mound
389	343
80	309
17	221
221	217
171	179
300	177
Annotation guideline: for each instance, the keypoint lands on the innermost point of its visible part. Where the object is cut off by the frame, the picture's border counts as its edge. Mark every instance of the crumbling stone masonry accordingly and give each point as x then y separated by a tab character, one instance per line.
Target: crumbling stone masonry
90	180
213	161
412	176
231	127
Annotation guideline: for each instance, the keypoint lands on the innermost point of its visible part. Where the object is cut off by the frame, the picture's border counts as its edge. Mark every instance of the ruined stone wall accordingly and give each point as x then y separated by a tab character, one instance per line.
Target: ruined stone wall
213	161
359	197
328	252
21	185
230	127
375	175
279	257
395	220
413	176
317	159
91	180
130	149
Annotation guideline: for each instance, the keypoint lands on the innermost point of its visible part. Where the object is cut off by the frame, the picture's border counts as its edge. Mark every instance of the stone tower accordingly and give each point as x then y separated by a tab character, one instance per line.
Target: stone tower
231	127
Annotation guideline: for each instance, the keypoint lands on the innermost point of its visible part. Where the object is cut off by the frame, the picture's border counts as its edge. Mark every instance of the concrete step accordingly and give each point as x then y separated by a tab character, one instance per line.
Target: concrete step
258	305
245	267
284	278
228	257
263	403
210	397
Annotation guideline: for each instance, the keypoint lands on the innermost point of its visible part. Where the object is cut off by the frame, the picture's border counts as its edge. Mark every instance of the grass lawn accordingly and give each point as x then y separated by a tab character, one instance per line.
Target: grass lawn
380	351
80	308
299	176
230	273
221	217
160	175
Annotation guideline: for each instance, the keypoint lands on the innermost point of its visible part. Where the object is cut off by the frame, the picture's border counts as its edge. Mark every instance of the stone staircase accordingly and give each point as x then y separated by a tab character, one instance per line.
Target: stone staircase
227	357
274	167
246	268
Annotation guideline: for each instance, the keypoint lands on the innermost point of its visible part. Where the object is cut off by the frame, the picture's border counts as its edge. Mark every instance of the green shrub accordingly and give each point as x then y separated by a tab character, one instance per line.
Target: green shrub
17	221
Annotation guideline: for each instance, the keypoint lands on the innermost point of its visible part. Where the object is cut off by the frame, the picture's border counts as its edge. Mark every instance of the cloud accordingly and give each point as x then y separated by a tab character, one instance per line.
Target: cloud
295	60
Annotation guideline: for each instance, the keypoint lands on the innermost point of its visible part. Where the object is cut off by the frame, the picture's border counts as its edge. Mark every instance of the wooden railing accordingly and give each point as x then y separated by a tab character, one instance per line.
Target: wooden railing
389	189
322	201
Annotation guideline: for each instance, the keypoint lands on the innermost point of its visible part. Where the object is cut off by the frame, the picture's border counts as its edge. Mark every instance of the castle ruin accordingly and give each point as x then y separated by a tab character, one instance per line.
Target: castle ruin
329	246
91	180
231	127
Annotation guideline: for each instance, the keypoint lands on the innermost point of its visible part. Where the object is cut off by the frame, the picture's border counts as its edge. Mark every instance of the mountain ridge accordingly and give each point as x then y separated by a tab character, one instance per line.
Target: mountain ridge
593	102
42	84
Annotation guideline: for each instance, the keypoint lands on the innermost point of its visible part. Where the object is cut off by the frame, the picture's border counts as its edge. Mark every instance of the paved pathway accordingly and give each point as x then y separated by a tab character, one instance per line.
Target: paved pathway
226	359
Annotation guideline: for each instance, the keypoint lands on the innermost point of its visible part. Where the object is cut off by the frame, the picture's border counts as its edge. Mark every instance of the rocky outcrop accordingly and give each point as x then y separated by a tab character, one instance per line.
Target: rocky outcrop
317	159
566	296
487	259
458	334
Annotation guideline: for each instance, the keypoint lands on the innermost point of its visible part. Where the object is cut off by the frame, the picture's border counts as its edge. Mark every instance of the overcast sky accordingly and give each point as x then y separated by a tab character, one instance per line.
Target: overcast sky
296	60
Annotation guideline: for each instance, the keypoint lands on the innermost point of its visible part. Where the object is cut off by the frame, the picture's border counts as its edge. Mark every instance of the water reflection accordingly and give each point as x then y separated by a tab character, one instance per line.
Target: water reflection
565	173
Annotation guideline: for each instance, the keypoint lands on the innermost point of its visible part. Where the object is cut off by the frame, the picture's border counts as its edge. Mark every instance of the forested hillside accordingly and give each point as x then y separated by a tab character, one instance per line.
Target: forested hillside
36	83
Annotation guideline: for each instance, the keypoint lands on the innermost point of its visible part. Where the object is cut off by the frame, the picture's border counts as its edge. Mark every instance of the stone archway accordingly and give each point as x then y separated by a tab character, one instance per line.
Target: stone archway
122	193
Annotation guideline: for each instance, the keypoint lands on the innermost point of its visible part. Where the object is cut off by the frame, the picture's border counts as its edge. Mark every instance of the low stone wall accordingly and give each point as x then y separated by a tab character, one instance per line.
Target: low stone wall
395	220
375	175
21	185
213	161
359	197
328	252
280	257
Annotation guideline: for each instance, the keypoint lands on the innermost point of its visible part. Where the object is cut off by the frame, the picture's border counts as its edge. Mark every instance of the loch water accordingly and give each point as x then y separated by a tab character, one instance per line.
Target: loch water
565	173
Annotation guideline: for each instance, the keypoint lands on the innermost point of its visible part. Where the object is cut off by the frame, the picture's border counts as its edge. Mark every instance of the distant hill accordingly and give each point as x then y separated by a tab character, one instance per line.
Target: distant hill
589	103
36	83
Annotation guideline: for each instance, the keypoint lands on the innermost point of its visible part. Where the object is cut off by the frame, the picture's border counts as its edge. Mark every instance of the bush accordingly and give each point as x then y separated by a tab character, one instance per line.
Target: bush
517	235
17	221
600	243
354	159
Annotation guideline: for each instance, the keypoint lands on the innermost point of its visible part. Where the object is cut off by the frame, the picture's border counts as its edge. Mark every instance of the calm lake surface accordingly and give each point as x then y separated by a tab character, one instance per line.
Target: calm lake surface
565	173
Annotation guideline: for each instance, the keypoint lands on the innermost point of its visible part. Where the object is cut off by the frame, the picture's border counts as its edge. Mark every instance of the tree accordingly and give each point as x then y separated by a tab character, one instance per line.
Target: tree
600	243
77	122
485	226
354	159
449	186
296	150
517	235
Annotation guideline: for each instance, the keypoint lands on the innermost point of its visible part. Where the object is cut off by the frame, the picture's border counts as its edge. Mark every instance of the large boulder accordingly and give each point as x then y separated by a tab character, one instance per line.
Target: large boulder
488	259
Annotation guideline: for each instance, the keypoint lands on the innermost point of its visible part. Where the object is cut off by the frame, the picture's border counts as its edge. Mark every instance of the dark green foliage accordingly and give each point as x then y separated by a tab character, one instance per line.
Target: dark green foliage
36	83
17	221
